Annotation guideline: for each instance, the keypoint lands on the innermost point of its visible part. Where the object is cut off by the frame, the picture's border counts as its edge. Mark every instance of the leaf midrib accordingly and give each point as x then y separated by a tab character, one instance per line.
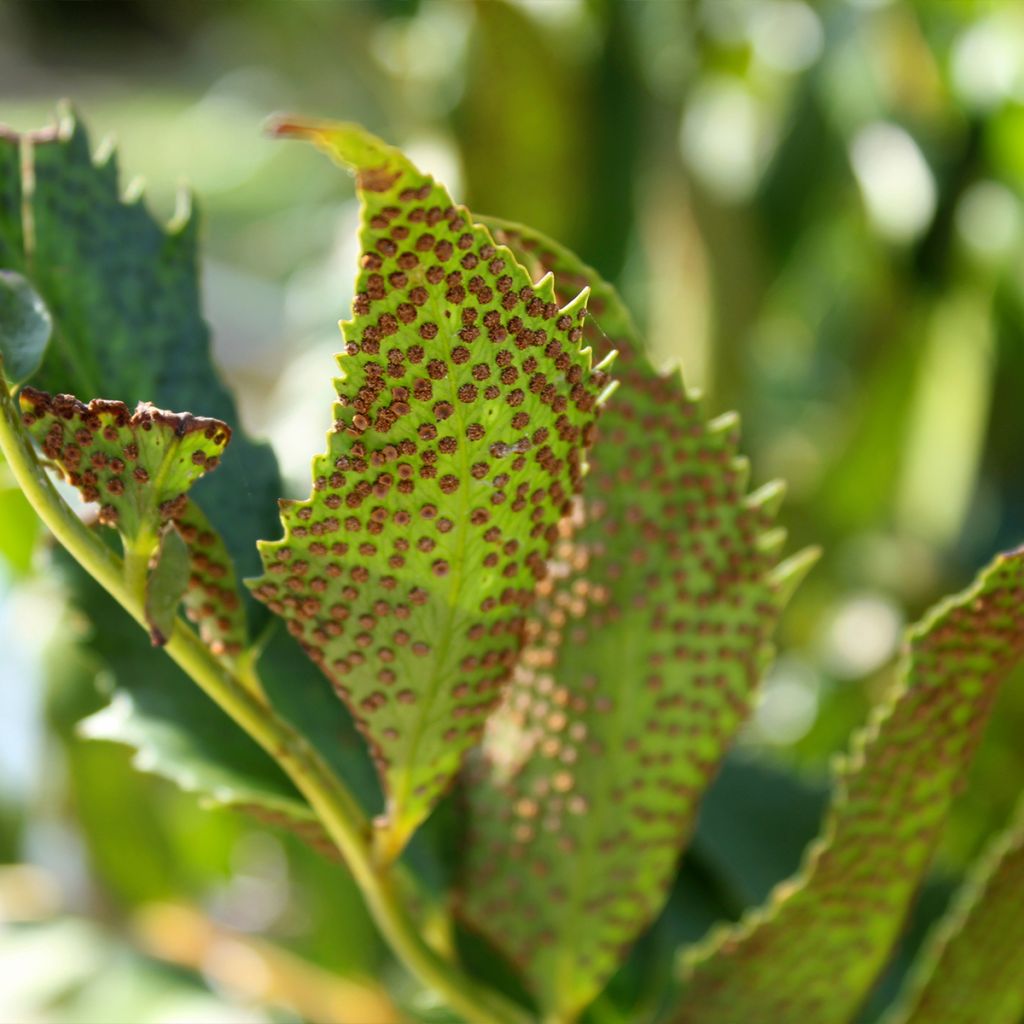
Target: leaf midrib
596	818
458	573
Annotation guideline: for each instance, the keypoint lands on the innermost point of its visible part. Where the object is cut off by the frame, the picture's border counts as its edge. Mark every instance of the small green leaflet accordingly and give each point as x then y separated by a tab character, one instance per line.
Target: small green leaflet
813	953
212	600
25	328
194	568
136	466
166	585
463	417
645	651
972	971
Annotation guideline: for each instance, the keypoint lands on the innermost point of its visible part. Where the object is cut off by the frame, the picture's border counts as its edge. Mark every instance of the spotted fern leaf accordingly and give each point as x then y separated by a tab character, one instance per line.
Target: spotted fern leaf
972	970
644	653
138	467
465	409
815	950
211	598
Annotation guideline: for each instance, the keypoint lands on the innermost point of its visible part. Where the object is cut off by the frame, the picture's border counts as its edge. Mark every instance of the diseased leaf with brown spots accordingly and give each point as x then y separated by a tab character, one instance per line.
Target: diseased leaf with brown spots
643	658
814	952
972	971
136	466
212	600
464	413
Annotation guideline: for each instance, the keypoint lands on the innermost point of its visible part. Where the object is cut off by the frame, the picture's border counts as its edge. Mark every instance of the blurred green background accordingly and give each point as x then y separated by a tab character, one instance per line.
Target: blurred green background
817	207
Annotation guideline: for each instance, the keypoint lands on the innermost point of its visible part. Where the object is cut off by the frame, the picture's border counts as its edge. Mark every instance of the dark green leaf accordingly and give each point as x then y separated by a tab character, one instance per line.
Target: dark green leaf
123	292
739	833
180	734
11	238
177	732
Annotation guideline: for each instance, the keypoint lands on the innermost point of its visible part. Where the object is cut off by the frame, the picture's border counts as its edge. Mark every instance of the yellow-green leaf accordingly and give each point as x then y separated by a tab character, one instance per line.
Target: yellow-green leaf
464	412
212	600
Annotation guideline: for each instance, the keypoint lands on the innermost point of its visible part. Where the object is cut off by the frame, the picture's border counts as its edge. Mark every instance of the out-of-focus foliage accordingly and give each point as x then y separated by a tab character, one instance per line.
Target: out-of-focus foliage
817	207
976	956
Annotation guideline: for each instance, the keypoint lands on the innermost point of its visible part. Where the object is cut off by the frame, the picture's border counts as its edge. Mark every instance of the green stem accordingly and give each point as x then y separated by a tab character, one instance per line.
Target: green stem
136	568
326	794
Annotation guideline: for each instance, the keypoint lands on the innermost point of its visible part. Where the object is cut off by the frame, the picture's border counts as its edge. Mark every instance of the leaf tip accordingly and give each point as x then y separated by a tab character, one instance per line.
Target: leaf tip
602	399
789	574
768	498
67	120
287	126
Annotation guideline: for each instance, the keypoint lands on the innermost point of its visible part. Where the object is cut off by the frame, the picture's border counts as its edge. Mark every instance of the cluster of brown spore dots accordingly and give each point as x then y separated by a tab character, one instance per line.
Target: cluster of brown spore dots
114	457
830	935
460	431
643	656
212	600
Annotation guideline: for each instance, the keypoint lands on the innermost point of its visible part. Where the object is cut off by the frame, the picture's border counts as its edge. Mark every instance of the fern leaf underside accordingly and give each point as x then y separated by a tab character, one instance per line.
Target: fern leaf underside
464	413
644	654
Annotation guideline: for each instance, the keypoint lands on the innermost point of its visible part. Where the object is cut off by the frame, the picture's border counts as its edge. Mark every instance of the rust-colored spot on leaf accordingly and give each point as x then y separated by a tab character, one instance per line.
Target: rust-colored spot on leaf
377	179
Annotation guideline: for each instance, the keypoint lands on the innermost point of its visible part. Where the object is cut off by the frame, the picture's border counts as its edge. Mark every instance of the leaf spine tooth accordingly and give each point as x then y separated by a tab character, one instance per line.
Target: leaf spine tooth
134	191
605	395
608	360
724	423
67	119
183	219
575	304
790	573
772	541
545	286
768	498
105	152
740	465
